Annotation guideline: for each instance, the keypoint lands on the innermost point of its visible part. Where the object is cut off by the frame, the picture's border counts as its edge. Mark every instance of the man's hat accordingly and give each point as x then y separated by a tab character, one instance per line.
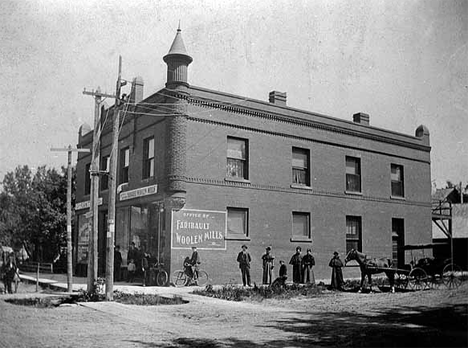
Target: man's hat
244	246
335	253
268	248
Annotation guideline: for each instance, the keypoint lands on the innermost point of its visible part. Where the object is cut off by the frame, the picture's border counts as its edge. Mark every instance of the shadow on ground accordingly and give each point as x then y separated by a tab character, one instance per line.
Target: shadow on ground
397	327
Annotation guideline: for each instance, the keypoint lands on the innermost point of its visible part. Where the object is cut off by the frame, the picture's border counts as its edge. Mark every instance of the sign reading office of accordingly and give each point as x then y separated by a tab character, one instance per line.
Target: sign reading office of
204	229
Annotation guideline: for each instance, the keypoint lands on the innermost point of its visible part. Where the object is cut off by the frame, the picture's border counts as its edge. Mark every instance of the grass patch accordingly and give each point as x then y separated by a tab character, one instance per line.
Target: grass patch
147	299
259	293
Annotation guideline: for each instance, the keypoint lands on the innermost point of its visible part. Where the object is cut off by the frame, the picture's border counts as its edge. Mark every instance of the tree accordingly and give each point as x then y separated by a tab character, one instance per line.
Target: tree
33	211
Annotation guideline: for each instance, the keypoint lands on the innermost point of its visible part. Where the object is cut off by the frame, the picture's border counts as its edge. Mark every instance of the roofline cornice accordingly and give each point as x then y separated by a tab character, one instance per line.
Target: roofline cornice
366	132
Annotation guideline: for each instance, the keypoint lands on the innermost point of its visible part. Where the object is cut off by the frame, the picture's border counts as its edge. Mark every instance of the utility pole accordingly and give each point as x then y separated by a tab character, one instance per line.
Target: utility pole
94	195
69	213
113	189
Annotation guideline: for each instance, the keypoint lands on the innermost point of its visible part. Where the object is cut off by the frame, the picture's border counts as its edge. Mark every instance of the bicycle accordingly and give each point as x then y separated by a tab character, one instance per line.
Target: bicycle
158	275
181	278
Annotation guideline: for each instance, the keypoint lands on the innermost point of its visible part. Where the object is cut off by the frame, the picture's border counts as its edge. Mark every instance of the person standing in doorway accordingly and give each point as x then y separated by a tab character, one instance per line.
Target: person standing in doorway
244	260
308	261
117	264
296	262
337	275
132	252
268	265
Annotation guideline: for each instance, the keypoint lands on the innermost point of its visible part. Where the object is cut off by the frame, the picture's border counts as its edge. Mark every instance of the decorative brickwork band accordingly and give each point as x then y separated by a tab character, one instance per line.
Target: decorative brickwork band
176	130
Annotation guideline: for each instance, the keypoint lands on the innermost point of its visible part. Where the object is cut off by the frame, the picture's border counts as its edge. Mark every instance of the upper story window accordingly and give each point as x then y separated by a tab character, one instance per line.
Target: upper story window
148	158
124	165
300	166
300	226
398	187
87	182
353	233
237	223
353	174
237	160
105	166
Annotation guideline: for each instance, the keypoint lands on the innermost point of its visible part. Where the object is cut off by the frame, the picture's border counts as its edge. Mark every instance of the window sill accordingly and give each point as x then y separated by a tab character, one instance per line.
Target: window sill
240	238
237	180
148	179
353	193
398	198
299	186
300	240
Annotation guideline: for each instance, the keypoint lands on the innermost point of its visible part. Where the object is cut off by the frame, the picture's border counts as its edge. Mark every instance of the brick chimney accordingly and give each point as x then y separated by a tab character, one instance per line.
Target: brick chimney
361	118
136	94
278	98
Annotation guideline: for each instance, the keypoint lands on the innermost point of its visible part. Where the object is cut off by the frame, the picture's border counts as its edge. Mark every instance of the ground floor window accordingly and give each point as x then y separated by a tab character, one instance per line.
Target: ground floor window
353	233
139	224
237	223
300	226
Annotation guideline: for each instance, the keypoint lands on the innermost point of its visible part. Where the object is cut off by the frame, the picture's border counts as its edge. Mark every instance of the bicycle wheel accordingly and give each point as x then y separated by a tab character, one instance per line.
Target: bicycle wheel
179	278
162	278
452	276
202	279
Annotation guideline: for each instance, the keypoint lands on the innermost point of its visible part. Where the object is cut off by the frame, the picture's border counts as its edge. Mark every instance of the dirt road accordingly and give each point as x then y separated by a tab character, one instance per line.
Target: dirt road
433	318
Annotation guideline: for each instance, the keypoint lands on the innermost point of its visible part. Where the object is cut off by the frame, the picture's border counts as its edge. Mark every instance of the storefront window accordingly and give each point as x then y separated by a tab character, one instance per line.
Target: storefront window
84	227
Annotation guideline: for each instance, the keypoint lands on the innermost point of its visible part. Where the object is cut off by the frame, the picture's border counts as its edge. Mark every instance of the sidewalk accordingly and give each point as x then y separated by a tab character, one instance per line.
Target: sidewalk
59	282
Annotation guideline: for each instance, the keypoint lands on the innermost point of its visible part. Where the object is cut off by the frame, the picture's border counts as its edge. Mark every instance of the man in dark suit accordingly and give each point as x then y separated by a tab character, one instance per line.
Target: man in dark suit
244	264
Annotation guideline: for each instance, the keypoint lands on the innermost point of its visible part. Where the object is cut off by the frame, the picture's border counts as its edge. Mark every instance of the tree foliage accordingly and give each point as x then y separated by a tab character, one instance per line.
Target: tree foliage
33	211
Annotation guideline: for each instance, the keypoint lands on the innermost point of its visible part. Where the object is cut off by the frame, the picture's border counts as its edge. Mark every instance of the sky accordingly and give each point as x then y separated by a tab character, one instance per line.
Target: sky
405	63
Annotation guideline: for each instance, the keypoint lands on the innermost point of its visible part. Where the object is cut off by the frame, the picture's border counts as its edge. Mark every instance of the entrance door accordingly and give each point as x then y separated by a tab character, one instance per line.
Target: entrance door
398	241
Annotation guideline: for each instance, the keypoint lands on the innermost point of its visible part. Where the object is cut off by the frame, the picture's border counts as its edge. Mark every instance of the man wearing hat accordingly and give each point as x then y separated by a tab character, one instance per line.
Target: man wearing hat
244	264
337	274
268	265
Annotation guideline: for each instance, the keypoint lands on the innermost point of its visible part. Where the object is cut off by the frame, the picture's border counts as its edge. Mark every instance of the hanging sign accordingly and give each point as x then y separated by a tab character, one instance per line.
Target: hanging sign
143	191
86	204
204	229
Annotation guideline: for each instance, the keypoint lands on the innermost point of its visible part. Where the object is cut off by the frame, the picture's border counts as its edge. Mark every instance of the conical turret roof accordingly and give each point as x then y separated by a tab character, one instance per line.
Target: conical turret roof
178	48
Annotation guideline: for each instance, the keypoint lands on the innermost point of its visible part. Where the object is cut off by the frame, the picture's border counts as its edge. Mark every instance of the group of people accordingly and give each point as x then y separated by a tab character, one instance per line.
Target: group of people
302	268
9	274
137	264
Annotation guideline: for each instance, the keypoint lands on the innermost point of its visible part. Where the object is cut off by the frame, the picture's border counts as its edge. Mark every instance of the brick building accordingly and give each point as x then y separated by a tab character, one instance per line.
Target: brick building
216	170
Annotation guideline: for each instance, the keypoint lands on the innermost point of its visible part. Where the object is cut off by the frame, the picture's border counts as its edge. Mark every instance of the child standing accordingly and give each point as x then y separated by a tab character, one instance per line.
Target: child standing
131	268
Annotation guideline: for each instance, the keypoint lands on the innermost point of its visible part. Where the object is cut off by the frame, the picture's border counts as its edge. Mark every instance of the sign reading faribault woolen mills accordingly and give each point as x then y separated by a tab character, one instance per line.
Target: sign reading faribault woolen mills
204	229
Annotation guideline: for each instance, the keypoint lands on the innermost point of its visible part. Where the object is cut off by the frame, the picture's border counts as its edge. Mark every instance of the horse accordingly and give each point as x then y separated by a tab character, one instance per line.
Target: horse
371	266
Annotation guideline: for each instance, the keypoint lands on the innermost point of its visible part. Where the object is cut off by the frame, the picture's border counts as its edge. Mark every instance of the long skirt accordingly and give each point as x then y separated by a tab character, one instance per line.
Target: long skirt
308	275
267	274
297	274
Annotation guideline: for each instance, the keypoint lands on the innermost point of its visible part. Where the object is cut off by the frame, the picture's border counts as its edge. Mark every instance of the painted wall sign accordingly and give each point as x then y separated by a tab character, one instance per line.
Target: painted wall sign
142	191
204	229
86	204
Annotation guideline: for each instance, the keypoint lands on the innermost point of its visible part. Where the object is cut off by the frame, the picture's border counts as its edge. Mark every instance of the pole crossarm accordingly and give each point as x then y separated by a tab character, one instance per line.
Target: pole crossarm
66	149
98	93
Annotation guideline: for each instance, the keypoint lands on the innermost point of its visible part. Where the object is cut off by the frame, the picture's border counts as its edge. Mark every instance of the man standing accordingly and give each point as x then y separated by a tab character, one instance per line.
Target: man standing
117	263
244	264
337	274
268	265
296	262
308	261
195	262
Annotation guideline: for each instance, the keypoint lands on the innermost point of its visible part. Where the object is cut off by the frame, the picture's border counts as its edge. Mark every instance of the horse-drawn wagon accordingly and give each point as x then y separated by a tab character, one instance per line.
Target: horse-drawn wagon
419	274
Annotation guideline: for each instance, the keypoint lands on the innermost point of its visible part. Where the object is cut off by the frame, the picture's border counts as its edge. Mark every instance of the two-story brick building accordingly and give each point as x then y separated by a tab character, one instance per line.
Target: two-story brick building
216	170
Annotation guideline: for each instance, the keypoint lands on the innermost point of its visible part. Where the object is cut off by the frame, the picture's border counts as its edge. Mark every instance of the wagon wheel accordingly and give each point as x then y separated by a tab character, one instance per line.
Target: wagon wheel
452	276
417	279
434	281
401	280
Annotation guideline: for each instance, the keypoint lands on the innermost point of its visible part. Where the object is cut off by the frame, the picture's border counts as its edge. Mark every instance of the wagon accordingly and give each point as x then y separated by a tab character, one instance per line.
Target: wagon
428	272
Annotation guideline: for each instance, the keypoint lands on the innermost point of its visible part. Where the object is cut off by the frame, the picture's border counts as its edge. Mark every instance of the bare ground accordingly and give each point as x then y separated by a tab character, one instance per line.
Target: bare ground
431	318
